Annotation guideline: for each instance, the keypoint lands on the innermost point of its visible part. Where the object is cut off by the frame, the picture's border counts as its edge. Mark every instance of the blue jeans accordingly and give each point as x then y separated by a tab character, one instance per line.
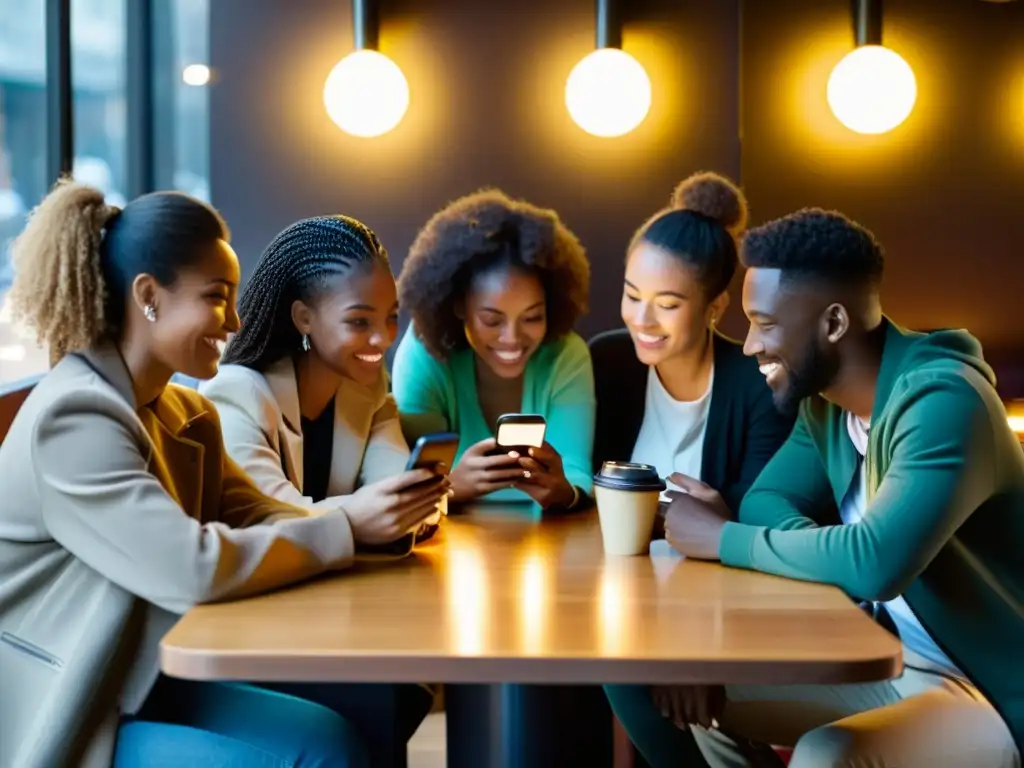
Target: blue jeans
385	715
231	725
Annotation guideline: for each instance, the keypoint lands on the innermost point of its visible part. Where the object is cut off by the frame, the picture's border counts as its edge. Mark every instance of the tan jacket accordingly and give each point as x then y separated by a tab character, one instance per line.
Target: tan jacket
113	522
262	426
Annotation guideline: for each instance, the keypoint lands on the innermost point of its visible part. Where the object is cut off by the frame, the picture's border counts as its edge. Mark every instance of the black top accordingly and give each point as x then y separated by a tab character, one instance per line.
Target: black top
743	432
317	445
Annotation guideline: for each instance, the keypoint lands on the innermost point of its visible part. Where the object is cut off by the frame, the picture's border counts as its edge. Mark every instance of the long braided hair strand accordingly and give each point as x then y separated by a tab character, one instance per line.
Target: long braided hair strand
301	263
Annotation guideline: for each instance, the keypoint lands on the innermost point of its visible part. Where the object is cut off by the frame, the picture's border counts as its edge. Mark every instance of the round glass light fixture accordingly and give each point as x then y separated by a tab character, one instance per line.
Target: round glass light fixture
872	90
608	93
366	94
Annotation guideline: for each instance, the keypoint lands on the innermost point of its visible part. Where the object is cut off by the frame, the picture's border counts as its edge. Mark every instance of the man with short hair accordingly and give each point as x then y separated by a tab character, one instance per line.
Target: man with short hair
903	485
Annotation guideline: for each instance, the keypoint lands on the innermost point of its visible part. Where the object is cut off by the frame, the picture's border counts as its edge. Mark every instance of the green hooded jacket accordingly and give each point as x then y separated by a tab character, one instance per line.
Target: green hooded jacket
944	520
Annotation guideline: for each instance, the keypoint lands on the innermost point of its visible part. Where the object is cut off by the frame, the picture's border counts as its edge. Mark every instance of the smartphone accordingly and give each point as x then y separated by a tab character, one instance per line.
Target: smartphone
432	451
519	432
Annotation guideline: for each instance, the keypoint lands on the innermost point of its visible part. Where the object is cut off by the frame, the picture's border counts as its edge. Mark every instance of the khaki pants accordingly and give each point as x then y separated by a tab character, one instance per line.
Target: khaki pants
919	720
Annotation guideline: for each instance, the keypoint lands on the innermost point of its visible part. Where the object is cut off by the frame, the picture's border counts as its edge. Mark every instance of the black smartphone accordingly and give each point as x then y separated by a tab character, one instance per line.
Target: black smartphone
519	432
434	450
430	452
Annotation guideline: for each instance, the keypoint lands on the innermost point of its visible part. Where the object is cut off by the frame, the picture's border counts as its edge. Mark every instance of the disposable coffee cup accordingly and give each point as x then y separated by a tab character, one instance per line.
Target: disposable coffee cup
627	506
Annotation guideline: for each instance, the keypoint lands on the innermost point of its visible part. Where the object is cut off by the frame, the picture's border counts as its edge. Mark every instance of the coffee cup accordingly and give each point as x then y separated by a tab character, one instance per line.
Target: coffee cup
627	505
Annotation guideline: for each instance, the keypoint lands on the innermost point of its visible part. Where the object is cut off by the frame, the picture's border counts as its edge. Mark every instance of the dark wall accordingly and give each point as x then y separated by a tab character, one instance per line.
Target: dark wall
487	107
944	192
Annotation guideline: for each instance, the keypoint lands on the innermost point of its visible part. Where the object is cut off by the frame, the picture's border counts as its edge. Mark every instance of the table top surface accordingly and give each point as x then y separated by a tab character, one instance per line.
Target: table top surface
499	596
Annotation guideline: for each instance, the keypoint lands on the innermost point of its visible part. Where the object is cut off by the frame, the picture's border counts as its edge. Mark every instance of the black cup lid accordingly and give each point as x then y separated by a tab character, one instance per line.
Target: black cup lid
624	476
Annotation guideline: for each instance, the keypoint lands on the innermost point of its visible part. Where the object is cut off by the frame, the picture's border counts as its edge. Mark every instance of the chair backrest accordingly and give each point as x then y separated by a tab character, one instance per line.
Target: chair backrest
11	398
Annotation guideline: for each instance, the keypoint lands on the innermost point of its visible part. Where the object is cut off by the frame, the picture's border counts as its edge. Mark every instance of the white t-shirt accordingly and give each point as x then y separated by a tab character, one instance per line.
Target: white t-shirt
919	649
672	434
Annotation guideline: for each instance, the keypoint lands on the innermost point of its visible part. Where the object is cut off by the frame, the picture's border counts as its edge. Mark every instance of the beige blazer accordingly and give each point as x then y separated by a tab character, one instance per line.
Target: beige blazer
113	521
262	425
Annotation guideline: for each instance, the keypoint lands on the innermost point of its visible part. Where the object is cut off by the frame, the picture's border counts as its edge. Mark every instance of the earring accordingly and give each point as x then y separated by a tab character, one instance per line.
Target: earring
305	342
713	321
150	313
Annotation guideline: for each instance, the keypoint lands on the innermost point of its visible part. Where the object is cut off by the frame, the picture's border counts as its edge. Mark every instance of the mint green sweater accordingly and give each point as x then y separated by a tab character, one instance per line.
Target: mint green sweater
944	524
434	396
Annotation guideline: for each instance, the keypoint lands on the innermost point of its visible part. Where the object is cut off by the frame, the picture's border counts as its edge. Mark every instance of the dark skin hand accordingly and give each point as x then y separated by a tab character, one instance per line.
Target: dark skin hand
687	705
695	518
479	473
544	478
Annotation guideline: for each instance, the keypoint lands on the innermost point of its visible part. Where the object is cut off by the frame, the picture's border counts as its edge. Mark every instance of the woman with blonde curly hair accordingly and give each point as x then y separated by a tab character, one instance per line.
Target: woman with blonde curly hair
121	509
494	287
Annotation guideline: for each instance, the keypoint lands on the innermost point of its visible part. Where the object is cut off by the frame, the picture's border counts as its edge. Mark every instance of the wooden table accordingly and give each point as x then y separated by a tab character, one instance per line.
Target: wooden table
499	597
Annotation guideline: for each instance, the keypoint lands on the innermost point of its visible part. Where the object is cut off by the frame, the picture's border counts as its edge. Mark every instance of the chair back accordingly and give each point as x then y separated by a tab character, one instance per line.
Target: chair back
11	398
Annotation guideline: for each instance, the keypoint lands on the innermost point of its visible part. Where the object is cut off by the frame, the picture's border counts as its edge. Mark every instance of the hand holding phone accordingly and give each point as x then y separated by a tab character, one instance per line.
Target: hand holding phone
385	511
483	469
435	452
545	480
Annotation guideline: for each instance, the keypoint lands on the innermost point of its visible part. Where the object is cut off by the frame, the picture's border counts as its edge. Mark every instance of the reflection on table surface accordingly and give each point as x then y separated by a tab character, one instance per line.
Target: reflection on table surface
501	596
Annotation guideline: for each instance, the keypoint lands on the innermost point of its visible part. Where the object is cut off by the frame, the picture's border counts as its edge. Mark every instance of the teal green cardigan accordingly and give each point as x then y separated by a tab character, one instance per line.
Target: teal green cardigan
435	395
944	524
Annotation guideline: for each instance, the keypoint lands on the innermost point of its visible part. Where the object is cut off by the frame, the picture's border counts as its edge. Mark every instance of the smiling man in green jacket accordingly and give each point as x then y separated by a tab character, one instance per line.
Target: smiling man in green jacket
903	485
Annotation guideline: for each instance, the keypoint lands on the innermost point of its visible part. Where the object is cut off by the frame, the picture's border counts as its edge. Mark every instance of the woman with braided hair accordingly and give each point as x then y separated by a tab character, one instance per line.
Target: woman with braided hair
494	286
302	391
121	510
305	410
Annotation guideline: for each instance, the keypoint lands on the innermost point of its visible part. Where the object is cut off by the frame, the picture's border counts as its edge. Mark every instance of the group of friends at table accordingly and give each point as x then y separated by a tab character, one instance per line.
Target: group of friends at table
831	445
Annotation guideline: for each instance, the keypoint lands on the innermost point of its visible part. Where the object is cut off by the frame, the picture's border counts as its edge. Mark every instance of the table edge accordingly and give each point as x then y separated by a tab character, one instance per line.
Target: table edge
196	665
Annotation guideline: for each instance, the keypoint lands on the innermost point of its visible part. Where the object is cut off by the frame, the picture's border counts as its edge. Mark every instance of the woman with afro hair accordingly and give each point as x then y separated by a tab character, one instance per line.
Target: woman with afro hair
494	287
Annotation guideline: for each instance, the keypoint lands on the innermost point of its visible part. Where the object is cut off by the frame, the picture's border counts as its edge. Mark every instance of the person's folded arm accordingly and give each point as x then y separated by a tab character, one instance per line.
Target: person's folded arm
792	489
937	476
100	502
570	418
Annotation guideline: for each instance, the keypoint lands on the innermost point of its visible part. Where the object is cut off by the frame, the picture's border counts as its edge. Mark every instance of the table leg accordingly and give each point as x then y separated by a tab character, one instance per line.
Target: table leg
527	726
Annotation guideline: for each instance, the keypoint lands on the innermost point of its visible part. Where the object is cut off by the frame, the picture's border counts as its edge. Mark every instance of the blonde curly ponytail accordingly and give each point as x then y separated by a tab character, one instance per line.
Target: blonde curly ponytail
58	288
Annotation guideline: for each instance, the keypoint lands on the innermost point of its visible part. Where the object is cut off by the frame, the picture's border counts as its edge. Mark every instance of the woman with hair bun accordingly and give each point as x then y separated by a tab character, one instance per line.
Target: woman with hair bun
675	393
672	391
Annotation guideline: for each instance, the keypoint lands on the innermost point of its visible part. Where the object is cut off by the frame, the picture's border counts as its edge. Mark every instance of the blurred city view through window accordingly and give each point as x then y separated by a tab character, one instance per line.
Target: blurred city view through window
98	48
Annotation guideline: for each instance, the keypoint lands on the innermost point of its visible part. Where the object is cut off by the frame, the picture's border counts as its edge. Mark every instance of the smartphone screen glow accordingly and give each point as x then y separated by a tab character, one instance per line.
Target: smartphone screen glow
521	434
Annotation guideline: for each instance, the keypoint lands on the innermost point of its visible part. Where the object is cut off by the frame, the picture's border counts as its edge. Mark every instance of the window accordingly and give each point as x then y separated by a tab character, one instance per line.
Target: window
172	39
98	50
23	179
182	102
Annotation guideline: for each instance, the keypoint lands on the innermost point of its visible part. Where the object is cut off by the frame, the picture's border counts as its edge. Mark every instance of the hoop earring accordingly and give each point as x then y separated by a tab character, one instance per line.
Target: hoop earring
305	342
150	313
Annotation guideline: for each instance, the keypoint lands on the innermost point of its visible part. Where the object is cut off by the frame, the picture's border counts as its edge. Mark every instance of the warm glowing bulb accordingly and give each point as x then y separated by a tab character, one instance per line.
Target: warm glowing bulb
608	93
195	74
872	90
366	94
1015	416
